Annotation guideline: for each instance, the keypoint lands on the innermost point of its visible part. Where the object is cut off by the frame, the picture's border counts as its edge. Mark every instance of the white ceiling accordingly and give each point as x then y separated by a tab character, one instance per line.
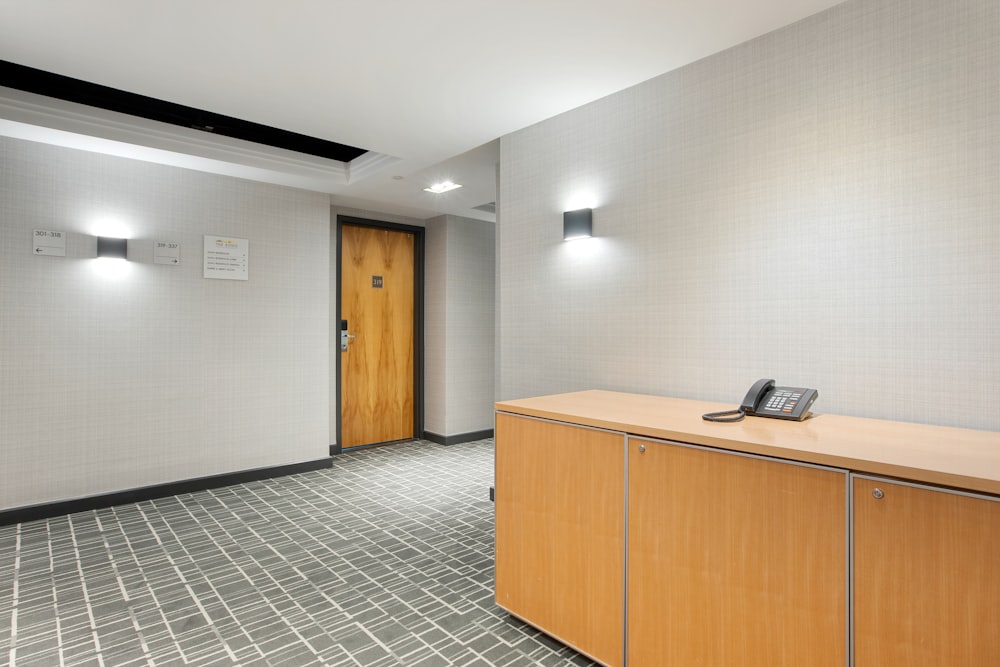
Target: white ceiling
428	85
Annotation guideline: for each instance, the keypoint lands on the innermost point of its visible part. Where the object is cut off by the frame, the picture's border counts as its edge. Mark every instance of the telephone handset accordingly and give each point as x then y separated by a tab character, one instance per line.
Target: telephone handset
766	400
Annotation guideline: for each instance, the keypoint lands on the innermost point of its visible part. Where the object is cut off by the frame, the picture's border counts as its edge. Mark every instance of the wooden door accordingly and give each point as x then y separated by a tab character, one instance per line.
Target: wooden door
734	560
926	577
377	369
560	531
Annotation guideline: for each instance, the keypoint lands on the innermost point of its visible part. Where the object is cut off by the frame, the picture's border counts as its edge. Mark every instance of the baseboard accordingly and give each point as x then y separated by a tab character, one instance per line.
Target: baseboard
457	439
49	510
336	449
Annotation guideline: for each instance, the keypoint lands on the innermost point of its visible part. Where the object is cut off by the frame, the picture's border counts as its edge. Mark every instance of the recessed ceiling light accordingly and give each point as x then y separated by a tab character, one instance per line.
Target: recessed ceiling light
438	188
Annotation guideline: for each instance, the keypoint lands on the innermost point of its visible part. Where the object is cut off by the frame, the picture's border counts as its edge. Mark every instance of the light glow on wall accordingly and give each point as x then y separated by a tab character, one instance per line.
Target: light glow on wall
582	249
110	268
109	226
580	200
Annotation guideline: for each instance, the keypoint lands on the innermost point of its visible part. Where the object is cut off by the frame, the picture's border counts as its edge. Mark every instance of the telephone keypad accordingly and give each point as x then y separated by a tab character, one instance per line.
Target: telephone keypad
783	401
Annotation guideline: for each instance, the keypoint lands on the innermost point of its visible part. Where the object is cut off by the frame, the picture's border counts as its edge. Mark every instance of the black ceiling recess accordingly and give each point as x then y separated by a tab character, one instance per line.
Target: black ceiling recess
74	90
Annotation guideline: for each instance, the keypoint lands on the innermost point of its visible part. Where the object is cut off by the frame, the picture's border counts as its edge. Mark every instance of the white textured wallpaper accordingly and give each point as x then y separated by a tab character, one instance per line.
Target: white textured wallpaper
471	313
459	325
112	382
820	205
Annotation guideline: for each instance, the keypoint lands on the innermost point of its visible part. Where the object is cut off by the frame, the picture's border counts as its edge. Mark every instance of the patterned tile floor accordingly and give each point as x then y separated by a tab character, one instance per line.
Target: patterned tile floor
385	559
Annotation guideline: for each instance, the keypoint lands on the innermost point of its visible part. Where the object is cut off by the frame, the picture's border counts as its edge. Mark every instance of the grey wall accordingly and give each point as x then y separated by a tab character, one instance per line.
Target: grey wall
459	326
112	382
820	205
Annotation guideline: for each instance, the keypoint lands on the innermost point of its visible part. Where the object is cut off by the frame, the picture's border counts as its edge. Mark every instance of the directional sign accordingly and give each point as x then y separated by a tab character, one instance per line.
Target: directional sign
227	258
166	252
45	242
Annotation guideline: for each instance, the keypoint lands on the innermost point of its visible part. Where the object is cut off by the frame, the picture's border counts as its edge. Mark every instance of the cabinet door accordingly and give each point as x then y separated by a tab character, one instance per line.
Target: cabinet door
926	577
734	560
560	514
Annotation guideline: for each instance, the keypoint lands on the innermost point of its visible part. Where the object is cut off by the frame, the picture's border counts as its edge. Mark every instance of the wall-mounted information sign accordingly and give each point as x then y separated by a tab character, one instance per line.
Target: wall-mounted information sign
45	242
166	252
227	258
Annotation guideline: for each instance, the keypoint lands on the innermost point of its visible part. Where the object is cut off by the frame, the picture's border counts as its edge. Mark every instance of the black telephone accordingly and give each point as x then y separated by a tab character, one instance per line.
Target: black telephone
766	400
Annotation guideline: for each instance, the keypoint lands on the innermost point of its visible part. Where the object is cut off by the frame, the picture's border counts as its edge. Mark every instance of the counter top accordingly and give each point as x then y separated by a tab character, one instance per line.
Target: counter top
955	457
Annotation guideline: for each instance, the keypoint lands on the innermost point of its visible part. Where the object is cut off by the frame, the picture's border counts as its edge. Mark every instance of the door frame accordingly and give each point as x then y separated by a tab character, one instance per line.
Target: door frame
418	321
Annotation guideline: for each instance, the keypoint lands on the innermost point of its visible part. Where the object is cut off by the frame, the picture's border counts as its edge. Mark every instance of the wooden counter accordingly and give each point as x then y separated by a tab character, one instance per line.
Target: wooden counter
638	533
955	457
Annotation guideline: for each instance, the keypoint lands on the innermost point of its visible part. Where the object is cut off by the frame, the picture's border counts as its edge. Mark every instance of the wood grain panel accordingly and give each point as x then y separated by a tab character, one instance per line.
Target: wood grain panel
958	457
734	560
377	381
927	577
560	531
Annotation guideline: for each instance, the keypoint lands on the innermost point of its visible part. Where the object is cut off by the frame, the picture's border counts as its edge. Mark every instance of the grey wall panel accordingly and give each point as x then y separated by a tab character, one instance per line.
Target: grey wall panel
155	375
820	205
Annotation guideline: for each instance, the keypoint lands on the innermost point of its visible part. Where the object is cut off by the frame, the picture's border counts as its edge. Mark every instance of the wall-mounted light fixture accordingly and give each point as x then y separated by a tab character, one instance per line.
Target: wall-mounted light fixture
111	247
578	224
